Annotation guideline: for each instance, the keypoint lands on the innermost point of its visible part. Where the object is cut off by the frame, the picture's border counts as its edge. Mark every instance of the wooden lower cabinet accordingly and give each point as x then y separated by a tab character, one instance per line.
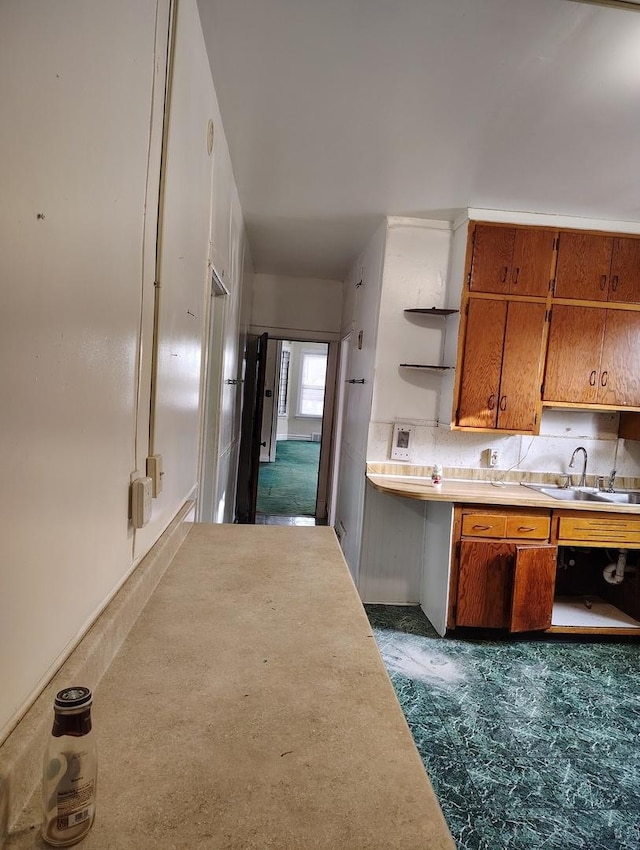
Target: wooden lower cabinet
503	582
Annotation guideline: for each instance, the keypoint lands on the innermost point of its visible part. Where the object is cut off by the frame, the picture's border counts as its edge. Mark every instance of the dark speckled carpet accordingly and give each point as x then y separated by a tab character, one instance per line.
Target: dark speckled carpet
530	745
288	487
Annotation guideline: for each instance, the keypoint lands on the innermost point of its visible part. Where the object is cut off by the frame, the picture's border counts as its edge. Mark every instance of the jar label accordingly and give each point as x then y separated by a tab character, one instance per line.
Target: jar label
75	806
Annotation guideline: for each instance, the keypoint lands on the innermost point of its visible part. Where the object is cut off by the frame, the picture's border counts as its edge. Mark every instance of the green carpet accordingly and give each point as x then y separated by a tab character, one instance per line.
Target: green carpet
289	486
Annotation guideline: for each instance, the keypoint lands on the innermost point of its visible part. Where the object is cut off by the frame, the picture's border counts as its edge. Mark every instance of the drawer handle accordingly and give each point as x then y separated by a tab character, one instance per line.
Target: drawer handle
491	403
615	280
482	527
603	282
505	272
592	379
503	403
526	528
516	275
604	378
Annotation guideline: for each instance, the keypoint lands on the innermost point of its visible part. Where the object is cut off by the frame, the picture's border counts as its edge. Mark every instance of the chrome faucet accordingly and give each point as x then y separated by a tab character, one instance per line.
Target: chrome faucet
583	477
612	480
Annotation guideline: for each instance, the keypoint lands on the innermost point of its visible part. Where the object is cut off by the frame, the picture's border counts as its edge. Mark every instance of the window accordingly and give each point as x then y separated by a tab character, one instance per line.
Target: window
313	369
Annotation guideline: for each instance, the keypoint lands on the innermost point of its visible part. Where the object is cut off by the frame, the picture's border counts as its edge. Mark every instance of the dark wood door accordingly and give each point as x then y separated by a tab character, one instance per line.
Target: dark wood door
532	261
573	354
482	364
584	264
625	271
484	584
491	262
619	376
521	366
534	578
250	429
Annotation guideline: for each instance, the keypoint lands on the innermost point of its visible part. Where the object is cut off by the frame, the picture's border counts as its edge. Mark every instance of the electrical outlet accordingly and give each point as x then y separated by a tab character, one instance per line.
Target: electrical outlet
494	457
141	490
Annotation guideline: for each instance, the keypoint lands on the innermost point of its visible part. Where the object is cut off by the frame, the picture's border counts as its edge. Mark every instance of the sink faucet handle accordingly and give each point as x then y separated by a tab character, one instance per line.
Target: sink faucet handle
612	479
600	482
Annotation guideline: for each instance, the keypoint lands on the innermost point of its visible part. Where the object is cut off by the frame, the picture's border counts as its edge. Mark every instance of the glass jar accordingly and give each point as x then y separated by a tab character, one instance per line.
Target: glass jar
69	775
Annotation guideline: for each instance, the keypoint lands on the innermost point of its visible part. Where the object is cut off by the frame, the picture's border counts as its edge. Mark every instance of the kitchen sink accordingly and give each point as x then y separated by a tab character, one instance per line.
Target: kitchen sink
587	494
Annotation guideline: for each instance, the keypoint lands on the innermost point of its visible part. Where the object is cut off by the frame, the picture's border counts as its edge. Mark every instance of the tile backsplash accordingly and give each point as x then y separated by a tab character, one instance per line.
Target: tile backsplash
550	452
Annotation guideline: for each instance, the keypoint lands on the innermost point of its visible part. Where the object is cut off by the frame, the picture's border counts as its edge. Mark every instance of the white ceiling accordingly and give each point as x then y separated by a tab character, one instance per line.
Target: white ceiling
339	112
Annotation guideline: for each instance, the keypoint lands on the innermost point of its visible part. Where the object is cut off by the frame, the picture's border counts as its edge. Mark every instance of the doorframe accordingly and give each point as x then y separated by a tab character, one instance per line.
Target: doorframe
216	321
325	491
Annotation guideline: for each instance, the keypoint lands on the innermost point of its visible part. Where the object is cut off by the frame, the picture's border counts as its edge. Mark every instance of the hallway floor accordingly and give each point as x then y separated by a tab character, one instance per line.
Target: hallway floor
529	744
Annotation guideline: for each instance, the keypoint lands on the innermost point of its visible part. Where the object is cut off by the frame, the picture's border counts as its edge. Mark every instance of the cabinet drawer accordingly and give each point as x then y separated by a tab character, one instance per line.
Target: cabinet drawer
484	525
600	530
534	527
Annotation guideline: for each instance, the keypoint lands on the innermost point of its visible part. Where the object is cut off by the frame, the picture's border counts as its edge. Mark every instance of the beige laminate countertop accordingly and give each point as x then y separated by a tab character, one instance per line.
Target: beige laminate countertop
249	708
485	493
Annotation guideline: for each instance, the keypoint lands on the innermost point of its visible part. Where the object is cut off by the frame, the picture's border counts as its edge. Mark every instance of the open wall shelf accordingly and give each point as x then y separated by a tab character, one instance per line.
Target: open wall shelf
431	311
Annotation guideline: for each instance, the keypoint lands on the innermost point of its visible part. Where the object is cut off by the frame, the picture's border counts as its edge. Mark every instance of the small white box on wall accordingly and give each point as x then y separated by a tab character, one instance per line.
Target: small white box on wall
401	442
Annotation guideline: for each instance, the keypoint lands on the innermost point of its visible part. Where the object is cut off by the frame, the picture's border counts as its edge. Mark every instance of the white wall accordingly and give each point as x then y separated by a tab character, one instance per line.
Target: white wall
362	293
80	143
297	308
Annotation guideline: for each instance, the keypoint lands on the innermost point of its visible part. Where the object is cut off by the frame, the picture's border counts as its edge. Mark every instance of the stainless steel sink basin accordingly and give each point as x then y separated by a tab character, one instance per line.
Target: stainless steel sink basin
587	494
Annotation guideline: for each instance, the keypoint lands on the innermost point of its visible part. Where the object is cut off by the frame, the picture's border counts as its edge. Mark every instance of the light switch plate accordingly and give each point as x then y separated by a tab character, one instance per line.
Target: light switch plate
401	442
155	472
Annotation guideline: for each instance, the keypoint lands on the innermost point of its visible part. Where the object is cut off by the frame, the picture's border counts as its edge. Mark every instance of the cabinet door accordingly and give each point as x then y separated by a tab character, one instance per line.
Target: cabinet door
625	271
491	262
532	262
534	578
484	584
619	377
573	354
521	366
481	364
584	263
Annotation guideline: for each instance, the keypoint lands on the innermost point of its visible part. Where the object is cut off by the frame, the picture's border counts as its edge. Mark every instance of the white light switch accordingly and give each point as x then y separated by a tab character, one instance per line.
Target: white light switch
155	473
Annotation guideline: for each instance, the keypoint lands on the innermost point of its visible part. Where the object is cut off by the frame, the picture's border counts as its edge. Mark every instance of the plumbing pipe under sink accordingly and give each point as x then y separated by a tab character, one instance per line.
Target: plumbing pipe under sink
614	573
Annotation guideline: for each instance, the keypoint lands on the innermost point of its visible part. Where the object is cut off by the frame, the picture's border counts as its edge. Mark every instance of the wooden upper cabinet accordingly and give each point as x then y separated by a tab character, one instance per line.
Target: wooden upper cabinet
482	364
593	357
573	354
619	377
625	271
501	368
594	267
584	264
512	261
521	366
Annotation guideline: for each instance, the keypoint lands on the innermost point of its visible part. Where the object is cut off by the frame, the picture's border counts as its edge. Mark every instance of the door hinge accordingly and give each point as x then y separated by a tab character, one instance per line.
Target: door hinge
556	243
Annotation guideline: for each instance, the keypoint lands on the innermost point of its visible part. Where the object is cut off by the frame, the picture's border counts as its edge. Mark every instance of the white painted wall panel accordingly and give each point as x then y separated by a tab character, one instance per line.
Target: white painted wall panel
392	549
304	308
76	90
184	250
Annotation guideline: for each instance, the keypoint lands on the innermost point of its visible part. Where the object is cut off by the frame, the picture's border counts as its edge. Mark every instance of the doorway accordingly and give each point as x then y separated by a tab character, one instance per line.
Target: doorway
291	436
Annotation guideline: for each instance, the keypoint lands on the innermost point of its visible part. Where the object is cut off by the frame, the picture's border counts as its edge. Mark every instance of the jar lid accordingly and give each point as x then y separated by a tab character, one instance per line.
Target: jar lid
73	698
